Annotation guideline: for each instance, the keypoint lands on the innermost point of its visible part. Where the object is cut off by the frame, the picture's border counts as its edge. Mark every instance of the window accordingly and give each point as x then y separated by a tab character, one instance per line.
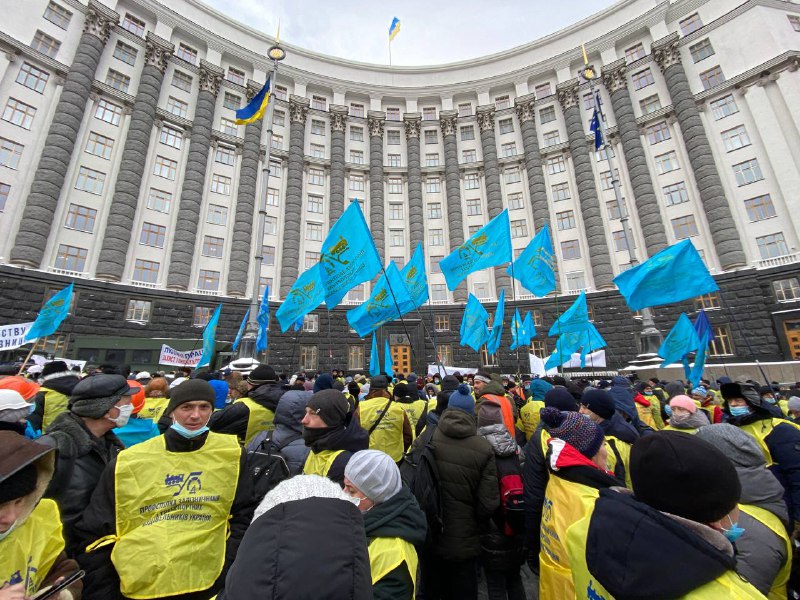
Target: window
445	351
392	114
71	258
509	149
515	201
90	181
231	101
212	246
356	134
565	220
658	132
80	218
170	137
634	53
431	136
312	258
722	344
10	153
548	113
182	81
712	77
308	358
469	156
317	127
395	185
270	225
281	92
225	155
221	185
501	102
153	235
435	266
575	281
473	229
542	90
794	21
642	79
45	44
556	164
177	107
512	175
429	113
159	200
561	192
356	183
397	238
32	78
356	110
394	160
675	194
235	76
614	211
19	113
620	241
316	177
396	212
357	157
319	103
724	107
393	137
747	172
760	208
436	237
208	280
277	142
707	302
118	81
650	104
314	232
228	126
58	15
667	162
506	125
589	102
356	295
5	190
519	228
273	197
432	159
786	290
690	24
186	53
166	168
551	138
606	181
202	315
473	206
735	138
465	109
770	246
317	151
684	227
570	250
138	310
279	118
433	185
275	168
438	292
133	24
467	133
441	323
434	210
315	204
700	50
604	153
471	181
217	214
145	271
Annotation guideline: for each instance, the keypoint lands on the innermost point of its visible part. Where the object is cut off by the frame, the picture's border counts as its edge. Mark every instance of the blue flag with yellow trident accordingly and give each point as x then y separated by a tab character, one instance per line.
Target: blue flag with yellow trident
255	108
374	359
388	363
306	294
575	318
493	345
380	307
348	256
535	267
52	314
489	246
474	331
680	341
415	278
263	322
209	333
676	273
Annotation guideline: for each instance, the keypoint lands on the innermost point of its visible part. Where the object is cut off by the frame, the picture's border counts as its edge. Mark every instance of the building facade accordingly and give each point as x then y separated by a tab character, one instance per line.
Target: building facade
121	167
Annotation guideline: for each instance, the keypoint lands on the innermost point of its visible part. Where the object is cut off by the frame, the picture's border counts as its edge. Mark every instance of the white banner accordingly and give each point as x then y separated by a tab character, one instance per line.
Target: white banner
11	336
434	370
537	367
593	359
176	358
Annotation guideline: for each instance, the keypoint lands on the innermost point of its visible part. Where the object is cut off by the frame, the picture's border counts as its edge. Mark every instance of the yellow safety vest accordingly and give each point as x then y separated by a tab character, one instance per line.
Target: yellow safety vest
761	429
766	518
784	406
54	404
728	586
709	410
414	411
153	408
29	552
623	449
689	431
260	419
319	463
172	513
529	417
386	554
388	435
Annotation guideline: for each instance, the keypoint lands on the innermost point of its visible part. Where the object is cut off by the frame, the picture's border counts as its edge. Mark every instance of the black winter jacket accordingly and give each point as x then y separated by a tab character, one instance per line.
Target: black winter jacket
63	385
233	419
535	476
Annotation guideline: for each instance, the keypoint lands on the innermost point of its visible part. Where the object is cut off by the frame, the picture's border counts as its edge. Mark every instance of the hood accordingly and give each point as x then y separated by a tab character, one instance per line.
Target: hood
619	428
569	464
623	530
400	516
267	395
761	408
623	397
761	488
494	388
455	423
538	388
291	409
301	487
63	383
640	399
351	438
500	439
674	388
19	452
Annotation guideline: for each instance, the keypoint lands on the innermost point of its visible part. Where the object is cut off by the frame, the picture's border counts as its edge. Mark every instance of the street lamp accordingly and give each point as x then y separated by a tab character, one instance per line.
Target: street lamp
247	347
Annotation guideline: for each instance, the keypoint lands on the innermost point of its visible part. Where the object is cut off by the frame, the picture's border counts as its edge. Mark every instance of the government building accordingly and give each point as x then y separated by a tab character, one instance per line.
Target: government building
122	169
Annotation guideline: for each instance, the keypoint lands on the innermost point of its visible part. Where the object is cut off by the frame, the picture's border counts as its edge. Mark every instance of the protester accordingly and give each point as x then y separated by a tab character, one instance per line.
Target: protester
287	437
387	423
416	408
57	385
620	435
685	416
707	400
156	398
648	406
492	404
14	412
144	378
221	388
793	409
138	428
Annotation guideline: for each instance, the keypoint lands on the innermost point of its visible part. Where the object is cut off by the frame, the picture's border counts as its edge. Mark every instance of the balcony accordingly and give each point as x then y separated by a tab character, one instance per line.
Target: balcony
207	292
67	273
777	261
144	284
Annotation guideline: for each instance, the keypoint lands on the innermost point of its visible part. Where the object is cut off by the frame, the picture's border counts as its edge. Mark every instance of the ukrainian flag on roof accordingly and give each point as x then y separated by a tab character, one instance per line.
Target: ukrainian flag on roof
255	110
394	28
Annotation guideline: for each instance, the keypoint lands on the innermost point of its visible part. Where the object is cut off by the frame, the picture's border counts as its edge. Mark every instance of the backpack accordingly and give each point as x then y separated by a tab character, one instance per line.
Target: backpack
512	504
420	473
266	466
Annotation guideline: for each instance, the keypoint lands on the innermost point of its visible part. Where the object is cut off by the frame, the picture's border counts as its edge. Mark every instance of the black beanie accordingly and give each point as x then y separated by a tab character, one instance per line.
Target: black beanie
559	397
600	402
685	476
379	382
262	374
191	390
20	484
401	390
449	383
331	405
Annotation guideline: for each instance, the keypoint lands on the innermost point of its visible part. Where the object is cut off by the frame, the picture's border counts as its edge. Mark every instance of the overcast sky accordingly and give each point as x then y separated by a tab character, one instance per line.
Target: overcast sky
431	32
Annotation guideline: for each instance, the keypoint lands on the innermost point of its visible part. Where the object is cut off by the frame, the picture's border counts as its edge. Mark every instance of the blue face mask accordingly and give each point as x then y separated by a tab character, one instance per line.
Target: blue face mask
668	410
734	533
739	411
188	434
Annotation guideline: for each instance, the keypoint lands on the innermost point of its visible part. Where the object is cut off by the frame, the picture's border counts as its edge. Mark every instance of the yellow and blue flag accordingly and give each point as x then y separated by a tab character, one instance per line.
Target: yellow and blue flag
389	300
534	268
239	335
680	341
493	345
209	333
52	314
388	363
255	109
394	28
488	247
595	127
263	322
474	332
374	359
306	294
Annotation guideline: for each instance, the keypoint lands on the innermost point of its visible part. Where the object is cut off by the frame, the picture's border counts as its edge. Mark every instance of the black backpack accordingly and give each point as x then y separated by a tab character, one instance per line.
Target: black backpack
420	473
267	467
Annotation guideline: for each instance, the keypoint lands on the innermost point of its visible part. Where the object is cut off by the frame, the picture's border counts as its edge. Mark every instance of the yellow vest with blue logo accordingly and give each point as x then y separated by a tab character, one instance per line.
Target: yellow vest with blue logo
414	411
172	513
388	435
319	463
54	404
259	419
618	450
773	523
30	551
761	429
386	554
529	417
153	408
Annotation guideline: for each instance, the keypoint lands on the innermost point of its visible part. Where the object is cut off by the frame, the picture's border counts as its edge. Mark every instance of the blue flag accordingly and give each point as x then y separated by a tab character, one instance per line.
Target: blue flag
575	318
497	325
591	341
474	332
535	267
587	340
489	246
52	314
388	363
595	126
306	295
348	255
415	278
696	373
263	322
680	341
374	359
530	328
209	333
380	307
239	335
703	326
297	324
676	273
518	333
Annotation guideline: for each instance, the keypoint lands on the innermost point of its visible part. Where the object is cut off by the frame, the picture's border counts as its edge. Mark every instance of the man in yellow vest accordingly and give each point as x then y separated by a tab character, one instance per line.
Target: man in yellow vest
599	406
247	417
673	538
57	384
388	425
167	517
416	409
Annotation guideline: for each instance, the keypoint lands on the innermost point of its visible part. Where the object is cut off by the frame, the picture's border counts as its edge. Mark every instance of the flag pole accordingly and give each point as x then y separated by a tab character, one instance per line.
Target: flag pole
746	340
27	358
391	291
432	339
516	325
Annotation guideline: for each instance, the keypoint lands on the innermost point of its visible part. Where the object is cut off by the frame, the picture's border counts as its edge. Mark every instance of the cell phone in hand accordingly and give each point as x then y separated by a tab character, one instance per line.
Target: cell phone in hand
55	590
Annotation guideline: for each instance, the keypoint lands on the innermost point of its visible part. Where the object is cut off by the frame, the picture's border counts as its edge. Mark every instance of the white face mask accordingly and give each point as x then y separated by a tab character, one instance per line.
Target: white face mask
7	532
125	413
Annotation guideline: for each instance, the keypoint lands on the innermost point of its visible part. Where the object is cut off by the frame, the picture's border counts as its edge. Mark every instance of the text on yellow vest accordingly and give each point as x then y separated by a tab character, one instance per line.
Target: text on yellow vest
153	408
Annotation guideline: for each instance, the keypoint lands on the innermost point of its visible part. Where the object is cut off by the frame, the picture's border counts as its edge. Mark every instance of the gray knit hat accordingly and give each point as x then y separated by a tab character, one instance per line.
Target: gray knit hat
734	443
94	396
374	473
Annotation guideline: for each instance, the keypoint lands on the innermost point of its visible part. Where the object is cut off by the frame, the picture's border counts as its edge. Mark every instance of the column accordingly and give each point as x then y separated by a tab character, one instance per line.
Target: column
42	201
338	130
242	239
723	227
416	208
491	175
185	237
448	120
377	216
599	257
290	264
644	195
783	113
122	212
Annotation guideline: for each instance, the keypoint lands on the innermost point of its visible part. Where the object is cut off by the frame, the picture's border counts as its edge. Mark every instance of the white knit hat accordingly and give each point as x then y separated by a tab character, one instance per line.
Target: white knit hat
375	474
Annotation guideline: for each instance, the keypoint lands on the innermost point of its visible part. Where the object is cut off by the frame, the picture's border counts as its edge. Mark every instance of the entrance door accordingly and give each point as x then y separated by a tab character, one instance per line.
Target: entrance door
792	331
401	357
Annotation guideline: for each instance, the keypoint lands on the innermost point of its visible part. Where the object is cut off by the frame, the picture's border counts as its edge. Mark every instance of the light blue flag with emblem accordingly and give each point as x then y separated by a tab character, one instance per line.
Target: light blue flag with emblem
489	246
591	342
530	328
535	267
575	318
517	331
680	341
239	335
586	340
675	274
306	294
474	332
380	307
696	373
52	314
388	363
209	333
493	345
348	256
374	359
415	278
263	322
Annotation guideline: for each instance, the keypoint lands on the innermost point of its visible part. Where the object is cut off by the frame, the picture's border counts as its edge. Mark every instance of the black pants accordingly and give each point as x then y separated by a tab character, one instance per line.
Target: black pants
505	585
449	580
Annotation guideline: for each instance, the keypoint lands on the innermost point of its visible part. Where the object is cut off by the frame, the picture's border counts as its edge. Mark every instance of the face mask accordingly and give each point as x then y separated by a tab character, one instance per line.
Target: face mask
668	410
770	399
7	532
311	435
187	433
32	409
739	411
125	413
734	533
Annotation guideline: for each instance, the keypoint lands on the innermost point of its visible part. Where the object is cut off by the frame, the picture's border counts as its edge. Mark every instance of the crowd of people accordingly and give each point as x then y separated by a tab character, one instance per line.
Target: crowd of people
247	483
